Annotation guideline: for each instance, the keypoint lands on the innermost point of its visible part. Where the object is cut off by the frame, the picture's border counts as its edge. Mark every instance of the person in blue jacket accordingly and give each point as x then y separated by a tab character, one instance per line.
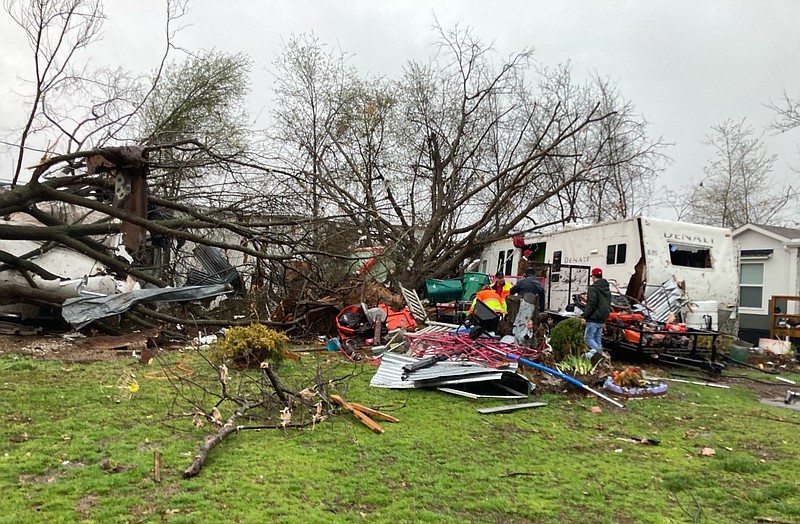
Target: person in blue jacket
529	284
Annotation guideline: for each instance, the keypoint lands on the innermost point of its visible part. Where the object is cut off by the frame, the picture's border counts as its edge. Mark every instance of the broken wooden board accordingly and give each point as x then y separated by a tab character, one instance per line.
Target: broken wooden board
510	407
374	413
371	424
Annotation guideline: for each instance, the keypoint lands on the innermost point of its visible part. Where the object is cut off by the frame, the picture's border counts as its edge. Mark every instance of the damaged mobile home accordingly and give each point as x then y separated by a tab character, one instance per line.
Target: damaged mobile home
636	255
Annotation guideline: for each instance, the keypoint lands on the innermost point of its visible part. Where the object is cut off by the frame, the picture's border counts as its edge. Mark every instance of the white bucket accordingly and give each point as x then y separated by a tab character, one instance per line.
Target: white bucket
779	347
701	320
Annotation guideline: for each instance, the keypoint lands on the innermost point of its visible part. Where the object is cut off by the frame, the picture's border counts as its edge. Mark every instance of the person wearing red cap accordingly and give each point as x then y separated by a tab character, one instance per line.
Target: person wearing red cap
598	307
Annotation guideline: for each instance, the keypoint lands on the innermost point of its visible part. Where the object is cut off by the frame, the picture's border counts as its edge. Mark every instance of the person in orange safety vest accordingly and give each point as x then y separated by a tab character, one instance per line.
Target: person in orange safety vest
500	286
491	298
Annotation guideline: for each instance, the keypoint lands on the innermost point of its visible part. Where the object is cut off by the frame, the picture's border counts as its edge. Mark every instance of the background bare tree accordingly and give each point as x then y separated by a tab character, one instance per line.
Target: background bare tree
738	186
624	163
787	111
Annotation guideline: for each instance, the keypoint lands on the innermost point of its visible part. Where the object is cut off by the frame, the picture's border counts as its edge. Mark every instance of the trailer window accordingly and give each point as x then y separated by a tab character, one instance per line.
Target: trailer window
689	256
615	254
556	262
505	262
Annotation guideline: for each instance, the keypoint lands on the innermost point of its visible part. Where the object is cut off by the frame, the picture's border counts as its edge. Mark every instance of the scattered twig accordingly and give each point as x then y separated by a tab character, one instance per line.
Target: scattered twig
156	466
520	473
698	510
640	440
776	419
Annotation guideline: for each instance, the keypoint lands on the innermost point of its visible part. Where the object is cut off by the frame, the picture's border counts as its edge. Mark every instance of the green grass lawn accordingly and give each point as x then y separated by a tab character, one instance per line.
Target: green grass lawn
74	448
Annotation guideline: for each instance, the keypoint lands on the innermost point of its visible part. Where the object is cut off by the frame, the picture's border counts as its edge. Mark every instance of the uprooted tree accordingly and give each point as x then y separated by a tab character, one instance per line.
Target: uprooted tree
180	178
428	167
457	152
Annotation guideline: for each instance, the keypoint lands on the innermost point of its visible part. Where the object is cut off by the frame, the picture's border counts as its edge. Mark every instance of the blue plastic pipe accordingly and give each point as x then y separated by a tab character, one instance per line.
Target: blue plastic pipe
571	380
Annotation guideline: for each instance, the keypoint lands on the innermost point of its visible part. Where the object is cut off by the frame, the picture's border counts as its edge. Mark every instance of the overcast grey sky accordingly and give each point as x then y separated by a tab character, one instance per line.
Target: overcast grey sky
685	65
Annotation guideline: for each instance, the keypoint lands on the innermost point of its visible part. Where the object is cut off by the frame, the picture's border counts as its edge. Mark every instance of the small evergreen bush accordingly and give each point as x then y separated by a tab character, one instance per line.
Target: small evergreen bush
566	339
249	345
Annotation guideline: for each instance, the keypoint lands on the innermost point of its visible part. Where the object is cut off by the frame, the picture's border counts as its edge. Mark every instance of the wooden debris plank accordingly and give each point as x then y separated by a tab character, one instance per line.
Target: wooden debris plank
290	355
510	407
374	413
371	424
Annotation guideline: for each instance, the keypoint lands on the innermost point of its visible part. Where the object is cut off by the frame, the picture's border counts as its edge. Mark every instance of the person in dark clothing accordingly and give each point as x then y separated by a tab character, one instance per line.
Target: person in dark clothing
529	284
598	307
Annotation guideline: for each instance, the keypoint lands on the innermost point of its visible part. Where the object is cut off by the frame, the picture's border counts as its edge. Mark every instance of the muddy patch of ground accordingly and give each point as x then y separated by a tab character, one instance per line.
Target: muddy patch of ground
72	348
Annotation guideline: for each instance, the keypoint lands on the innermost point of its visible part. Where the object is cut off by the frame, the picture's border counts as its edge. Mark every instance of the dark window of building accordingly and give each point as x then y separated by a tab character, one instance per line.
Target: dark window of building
616	254
690	256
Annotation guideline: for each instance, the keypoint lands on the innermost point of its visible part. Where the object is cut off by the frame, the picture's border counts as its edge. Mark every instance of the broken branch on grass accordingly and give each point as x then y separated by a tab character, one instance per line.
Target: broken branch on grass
274	381
211	442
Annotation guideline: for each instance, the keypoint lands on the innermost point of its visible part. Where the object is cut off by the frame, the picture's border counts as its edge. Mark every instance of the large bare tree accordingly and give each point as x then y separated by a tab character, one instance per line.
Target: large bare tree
458	152
455	153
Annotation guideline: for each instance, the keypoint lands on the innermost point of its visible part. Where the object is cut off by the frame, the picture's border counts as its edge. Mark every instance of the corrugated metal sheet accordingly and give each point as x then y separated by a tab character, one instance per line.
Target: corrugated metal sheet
667	299
390	372
501	392
217	269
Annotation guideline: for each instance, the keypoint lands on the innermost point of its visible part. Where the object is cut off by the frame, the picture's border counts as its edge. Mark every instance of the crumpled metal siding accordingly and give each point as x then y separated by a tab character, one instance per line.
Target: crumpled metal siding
390	371
217	269
80	311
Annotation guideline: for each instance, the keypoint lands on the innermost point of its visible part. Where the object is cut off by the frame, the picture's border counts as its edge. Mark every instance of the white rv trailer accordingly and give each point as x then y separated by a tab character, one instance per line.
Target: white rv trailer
636	254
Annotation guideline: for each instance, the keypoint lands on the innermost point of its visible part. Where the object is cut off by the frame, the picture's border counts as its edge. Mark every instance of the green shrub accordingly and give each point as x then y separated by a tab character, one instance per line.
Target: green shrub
249	345
566	339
